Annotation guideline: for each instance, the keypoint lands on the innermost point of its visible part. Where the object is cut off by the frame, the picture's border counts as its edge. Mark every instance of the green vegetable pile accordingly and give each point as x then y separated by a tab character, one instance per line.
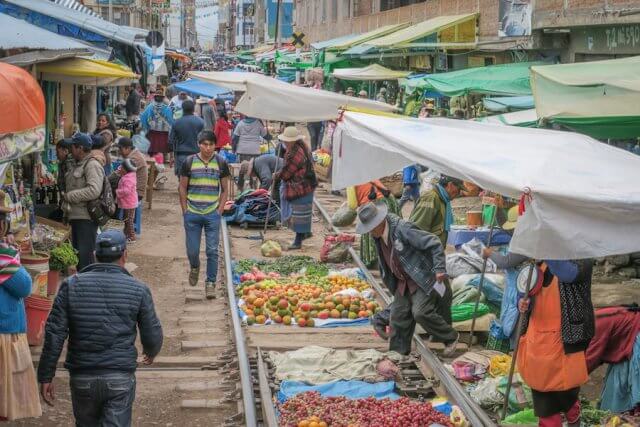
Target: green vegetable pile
285	266
591	416
63	257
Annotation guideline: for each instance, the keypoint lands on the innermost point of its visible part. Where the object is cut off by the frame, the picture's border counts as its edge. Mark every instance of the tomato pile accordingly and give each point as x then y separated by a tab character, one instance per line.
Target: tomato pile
369	412
301	298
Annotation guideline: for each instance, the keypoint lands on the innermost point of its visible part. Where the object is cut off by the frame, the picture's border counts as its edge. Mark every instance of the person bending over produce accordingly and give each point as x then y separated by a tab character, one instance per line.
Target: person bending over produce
412	264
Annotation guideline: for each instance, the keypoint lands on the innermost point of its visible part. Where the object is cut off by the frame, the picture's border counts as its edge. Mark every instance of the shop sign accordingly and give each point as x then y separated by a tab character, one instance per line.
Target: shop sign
624	39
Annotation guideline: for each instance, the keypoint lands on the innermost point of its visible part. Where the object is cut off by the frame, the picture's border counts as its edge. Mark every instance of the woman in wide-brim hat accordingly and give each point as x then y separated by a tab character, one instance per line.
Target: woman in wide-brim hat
19	396
298	184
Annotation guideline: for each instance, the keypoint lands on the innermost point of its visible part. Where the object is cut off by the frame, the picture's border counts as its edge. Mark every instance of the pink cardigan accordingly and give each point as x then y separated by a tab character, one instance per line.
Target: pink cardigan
126	193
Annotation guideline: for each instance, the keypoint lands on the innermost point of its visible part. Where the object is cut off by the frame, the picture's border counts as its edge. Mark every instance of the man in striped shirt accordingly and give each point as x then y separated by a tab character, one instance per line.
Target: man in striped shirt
204	184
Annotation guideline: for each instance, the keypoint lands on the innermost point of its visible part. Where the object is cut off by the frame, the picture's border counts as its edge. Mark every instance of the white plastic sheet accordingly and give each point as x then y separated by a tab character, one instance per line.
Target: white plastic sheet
585	198
271	99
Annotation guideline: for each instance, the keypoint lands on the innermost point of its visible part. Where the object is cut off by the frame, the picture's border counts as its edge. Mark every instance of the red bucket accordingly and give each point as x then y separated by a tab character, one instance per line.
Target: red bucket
37	309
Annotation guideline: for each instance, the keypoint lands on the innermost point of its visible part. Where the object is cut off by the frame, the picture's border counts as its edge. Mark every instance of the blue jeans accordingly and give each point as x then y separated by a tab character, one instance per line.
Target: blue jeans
179	160
103	400
193	225
409	192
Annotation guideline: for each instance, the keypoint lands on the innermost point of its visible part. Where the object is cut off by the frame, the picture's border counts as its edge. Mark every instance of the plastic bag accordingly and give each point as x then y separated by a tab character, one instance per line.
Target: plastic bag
344	216
336	248
465	294
499	365
519	395
525	417
352	199
462	312
271	249
486	393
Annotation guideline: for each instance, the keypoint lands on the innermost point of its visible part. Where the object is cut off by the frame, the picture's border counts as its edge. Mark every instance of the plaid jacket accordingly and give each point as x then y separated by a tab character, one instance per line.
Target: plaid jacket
298	172
421	254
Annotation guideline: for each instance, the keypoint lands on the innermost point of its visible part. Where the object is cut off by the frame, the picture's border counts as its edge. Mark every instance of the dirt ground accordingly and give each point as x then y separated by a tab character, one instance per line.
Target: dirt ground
159	260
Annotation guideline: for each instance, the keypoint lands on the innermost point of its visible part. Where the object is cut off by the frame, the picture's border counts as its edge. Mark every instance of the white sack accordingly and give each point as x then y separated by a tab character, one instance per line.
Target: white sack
585	195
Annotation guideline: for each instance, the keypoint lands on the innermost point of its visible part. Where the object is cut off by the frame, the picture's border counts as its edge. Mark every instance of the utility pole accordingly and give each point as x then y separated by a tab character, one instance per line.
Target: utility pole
111	11
277	36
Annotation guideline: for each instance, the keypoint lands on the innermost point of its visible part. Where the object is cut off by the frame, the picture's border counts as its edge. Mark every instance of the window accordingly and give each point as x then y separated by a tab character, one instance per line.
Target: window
392	4
334	10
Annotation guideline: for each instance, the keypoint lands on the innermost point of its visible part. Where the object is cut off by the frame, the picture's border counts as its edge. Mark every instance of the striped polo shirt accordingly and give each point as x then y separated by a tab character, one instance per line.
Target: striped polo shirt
203	191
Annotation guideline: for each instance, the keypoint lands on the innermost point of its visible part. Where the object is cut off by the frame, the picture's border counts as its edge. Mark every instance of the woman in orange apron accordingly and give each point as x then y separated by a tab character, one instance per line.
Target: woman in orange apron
551	358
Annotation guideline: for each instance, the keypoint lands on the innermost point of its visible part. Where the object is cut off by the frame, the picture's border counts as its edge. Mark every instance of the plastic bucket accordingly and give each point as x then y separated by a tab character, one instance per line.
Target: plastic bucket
37	309
53	281
38	267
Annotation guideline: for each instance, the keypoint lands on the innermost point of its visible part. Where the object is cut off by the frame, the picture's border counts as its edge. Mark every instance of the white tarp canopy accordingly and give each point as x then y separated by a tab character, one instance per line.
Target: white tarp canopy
585	201
272	99
373	72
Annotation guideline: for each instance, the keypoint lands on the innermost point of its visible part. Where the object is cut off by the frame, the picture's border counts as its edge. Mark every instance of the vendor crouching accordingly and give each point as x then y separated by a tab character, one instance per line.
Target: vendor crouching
412	264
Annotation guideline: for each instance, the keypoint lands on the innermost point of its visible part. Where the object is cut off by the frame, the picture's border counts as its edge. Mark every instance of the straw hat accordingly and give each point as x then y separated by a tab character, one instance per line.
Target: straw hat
290	134
363	93
512	219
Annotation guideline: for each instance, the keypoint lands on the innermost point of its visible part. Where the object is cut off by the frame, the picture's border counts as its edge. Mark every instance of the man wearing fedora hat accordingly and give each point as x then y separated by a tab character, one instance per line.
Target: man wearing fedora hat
412	264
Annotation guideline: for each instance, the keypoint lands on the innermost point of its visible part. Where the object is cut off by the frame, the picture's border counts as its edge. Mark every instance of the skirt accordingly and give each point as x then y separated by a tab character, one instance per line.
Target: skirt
159	141
368	250
19	397
548	403
301	214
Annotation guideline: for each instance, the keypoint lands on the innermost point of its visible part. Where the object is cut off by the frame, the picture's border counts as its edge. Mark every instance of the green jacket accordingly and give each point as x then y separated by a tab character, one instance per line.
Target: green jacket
429	213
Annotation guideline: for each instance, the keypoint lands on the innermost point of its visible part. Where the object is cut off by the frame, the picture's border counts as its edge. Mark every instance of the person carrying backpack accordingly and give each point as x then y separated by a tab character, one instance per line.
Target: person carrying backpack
156	120
84	184
204	188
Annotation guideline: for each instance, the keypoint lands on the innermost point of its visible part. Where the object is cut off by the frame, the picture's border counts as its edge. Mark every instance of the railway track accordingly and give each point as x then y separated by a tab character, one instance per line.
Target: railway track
257	386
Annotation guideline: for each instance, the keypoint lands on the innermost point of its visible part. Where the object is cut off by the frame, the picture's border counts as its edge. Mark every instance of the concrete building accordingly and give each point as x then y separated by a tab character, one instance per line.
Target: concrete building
507	30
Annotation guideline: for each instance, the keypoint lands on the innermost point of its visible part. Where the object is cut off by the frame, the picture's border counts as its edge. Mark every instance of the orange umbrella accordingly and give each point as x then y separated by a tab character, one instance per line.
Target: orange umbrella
23	107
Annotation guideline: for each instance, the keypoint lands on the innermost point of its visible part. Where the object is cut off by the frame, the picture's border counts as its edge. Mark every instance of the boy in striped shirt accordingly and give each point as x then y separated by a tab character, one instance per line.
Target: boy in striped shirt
203	180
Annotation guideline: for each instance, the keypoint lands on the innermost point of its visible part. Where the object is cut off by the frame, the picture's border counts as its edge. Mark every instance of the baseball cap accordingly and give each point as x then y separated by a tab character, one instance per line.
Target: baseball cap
81	139
111	243
65	143
125	142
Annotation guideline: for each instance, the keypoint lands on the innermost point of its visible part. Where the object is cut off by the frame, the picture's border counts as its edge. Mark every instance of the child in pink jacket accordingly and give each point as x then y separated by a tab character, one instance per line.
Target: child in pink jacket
127	198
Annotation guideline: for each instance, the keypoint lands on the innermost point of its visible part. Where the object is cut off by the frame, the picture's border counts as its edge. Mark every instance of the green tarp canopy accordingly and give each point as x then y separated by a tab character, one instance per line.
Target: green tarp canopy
525	118
597	98
505	80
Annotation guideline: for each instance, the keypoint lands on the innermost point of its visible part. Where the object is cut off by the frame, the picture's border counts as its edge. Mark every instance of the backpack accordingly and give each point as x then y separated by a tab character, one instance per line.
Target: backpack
102	209
157	122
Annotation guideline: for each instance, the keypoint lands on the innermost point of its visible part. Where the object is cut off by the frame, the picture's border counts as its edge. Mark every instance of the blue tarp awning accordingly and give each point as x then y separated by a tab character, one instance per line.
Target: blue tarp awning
506	104
198	87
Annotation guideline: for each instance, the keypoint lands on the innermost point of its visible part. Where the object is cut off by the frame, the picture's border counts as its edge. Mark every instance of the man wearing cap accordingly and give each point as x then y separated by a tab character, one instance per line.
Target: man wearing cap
128	151
350	92
412	265
432	211
363	94
83	184
183	138
100	310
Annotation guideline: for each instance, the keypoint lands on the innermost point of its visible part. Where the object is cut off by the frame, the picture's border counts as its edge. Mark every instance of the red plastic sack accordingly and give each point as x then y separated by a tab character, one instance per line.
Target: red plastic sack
336	248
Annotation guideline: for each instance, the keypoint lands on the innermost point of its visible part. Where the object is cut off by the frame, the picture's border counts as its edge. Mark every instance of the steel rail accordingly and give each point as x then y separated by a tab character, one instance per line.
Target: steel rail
474	413
246	381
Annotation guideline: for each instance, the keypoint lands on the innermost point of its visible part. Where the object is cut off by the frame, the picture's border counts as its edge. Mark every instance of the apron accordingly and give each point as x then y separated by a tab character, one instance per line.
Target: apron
542	361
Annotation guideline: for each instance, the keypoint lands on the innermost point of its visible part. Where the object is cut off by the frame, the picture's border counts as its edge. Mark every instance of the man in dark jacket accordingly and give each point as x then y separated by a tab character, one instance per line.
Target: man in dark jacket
132	106
99	310
184	134
412	264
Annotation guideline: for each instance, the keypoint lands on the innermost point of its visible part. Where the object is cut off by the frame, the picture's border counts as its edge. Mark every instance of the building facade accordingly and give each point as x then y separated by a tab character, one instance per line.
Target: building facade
573	30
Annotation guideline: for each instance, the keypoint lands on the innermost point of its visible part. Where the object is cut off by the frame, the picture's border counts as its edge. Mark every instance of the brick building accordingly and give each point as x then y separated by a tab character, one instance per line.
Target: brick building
572	30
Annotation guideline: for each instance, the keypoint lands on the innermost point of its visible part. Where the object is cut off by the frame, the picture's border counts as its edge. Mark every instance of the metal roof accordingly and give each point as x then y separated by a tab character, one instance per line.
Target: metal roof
127	35
19	34
41	56
73	4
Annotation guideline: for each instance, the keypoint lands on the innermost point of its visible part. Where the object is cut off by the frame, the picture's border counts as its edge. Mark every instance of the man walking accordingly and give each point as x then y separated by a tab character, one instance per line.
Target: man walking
183	138
204	187
99	310
432	211
132	106
412	264
83	184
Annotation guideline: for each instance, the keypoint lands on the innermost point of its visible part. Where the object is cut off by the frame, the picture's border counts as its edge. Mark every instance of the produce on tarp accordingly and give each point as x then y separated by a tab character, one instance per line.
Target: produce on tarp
285	266
301	299
370	412
271	249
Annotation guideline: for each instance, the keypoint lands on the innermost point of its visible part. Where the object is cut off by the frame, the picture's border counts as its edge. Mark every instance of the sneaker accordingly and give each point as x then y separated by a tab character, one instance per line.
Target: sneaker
194	274
210	290
450	348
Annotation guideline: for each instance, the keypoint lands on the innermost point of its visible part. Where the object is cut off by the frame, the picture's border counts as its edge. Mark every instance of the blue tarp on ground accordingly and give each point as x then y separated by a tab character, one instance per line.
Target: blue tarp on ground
198	87
348	389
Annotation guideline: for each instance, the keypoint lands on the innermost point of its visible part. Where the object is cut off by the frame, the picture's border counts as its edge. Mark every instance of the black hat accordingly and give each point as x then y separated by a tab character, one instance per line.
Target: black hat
125	142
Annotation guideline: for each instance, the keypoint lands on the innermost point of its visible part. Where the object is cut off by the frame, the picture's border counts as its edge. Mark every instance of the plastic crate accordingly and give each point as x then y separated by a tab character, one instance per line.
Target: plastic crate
496	344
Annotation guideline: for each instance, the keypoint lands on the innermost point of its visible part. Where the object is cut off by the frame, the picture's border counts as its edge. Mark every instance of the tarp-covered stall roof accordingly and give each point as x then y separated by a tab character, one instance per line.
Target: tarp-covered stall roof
505	79
371	73
438	25
581	196
598	98
524	118
271	99
331	42
199	87
19	34
87	72
508	103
